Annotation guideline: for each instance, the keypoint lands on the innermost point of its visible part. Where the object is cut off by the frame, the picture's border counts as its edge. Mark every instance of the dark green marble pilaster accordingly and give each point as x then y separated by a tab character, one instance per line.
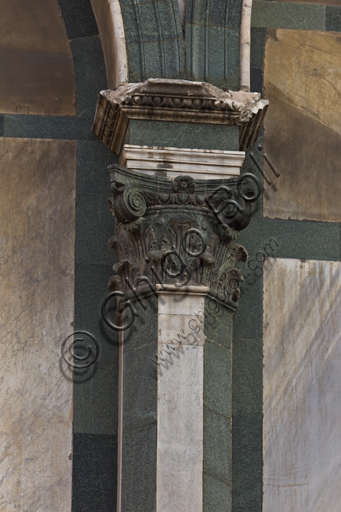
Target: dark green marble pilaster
139	411
217	407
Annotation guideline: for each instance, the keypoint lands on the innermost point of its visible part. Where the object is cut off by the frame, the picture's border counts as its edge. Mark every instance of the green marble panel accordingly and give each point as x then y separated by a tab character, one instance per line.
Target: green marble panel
153	33
78	18
258	36
286	15
248	322
196	60
95	400
217	446
139	387
48	127
94	475
90	73
93	159
217	378
223	57
139	470
144	329
183	135
94	228
91	288
218	323
333	18
247	377
294	239
247	463
217	495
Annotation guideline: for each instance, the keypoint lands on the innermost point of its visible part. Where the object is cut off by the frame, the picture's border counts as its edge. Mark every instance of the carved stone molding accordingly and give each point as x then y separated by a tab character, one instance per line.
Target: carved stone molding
177	100
166	232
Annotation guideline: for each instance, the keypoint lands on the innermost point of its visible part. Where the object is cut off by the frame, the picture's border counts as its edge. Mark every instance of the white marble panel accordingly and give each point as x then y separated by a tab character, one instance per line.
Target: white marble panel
302	386
180	403
181	327
185	300
170	162
37	229
180	433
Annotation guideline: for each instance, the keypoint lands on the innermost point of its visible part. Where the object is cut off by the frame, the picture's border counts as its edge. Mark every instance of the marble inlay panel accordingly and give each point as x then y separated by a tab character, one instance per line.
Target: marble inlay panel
302	128
37	211
35	57
302	386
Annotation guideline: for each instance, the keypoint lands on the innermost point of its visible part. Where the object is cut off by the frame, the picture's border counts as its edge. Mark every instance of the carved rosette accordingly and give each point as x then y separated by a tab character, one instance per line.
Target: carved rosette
180	231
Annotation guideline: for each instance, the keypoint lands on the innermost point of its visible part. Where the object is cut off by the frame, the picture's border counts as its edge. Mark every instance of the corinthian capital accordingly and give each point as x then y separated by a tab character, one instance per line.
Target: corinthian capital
178	231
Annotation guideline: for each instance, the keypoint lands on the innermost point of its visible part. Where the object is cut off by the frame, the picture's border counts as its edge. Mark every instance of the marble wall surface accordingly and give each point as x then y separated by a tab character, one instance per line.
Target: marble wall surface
35	57
37	211
302	133
326	2
302	386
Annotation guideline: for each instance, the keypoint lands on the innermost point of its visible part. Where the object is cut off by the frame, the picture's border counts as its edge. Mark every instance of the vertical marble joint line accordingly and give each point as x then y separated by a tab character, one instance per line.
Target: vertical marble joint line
192	40
206	40
161	42
120	416
226	53
143	64
180	43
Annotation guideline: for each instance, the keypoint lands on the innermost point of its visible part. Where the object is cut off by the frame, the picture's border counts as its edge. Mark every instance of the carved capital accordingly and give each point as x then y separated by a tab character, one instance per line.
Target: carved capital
177	100
180	231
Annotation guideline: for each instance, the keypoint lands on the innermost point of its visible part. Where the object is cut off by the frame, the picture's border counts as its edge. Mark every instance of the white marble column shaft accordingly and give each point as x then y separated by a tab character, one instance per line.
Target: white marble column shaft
180	399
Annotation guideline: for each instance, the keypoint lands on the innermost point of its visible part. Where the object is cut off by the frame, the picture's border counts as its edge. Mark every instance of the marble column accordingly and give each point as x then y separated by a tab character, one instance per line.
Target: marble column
178	213
178	284
193	452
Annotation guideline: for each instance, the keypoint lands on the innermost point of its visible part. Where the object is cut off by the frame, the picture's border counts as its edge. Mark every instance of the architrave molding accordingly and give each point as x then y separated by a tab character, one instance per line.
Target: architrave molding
171	162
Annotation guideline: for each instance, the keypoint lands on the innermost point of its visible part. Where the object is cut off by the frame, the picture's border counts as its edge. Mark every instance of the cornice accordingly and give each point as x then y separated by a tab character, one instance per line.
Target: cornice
177	100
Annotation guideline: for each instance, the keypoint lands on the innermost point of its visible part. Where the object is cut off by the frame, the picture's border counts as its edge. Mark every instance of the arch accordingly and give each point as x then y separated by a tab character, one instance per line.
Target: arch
109	19
196	40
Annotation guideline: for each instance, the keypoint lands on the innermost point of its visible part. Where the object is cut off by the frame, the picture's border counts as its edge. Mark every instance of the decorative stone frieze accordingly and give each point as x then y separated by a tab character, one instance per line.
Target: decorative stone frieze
177	100
167	232
170	162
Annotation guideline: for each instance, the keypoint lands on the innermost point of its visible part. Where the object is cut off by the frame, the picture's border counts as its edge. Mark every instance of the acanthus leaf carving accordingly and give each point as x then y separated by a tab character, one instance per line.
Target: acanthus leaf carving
156	238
